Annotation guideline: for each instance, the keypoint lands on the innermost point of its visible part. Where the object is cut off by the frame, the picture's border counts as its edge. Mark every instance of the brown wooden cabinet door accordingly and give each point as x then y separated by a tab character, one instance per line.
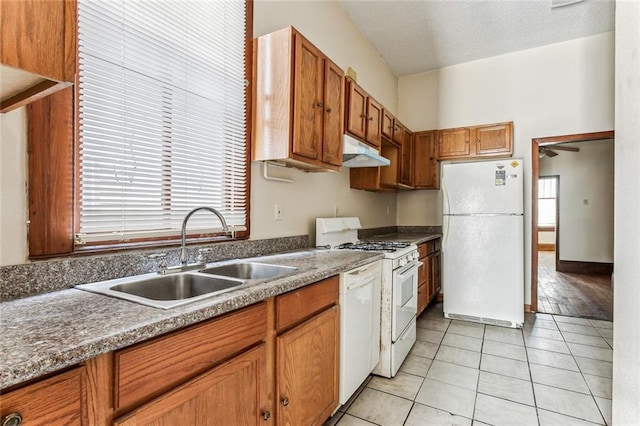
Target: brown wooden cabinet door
307	371
54	401
436	271
232	394
423	297
39	37
494	139
398	131
454	143
374	122
333	116
406	165
356	110
425	163
387	124
308	104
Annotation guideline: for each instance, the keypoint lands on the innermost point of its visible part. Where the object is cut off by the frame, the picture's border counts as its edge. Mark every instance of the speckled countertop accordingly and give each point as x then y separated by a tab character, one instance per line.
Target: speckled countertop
45	333
412	237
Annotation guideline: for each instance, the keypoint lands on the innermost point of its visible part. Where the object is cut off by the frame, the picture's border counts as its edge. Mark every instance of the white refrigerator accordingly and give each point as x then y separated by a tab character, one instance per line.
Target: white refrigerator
483	242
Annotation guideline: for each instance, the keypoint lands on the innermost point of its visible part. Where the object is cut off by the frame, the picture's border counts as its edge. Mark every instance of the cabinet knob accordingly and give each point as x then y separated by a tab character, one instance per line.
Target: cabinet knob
266	415
370	118
320	105
13	419
466	141
285	401
329	110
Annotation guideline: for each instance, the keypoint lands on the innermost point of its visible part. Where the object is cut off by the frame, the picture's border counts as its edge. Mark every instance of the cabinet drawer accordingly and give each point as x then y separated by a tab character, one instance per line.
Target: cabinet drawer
297	305
150	368
53	401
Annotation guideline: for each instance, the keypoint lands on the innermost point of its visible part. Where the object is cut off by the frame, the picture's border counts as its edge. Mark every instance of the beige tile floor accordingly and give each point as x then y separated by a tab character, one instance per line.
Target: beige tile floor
554	371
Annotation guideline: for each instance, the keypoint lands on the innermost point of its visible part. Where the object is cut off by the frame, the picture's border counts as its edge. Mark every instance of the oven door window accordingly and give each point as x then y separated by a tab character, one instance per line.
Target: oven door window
405	298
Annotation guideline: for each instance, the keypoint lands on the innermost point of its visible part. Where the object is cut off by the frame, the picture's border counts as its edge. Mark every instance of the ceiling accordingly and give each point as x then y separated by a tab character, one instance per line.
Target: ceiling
422	35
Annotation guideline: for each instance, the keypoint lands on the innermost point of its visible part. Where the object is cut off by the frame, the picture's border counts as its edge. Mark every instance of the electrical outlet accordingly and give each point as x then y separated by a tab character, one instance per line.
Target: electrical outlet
278	212
336	211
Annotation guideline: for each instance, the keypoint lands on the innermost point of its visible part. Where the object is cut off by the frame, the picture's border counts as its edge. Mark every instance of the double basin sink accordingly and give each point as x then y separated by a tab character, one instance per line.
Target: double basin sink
175	289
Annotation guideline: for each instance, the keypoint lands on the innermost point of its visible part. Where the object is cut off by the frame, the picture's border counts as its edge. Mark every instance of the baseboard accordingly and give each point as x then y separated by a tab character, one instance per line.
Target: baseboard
546	247
527	309
589	268
440	297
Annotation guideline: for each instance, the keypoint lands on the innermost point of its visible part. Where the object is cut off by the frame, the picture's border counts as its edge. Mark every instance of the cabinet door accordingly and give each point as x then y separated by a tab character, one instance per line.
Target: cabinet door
398	131
454	143
436	271
425	164
406	165
494	139
333	116
307	370
231	394
308	105
374	122
53	401
356	110
387	124
423	297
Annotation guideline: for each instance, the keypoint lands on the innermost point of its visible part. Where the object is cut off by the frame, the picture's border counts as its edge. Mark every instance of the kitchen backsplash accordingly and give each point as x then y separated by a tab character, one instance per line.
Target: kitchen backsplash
46	276
363	234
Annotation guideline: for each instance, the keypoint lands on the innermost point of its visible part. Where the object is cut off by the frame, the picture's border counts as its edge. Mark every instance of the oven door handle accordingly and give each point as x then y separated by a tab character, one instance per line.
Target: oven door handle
408	268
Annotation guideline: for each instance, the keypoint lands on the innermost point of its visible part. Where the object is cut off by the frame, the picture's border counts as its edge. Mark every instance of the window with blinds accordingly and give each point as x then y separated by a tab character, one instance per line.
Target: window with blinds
162	119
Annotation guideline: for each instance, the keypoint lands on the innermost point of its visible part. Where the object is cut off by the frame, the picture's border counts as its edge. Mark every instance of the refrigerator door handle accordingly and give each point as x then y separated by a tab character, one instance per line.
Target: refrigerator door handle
445	197
445	220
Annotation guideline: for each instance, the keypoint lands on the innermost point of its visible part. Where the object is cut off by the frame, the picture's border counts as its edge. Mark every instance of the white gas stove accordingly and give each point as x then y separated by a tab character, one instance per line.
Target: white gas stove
399	295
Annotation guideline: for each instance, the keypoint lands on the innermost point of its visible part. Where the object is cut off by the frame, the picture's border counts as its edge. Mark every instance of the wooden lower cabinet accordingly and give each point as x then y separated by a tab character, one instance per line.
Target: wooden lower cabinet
57	400
307	370
429	277
232	394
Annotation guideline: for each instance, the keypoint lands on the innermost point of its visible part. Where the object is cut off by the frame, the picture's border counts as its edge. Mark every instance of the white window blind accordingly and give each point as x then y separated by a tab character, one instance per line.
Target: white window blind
162	117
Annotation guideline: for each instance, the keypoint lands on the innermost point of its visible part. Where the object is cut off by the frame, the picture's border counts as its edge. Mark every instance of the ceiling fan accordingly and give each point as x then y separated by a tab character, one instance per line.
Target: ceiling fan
549	151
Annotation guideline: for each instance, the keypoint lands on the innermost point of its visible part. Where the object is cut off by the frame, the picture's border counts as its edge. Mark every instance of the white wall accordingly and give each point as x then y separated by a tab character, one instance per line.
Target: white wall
546	237
586	230
559	89
626	294
313	195
13	178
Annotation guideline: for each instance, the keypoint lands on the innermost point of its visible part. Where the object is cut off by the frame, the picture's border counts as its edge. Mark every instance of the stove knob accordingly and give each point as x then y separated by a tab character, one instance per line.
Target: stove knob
403	261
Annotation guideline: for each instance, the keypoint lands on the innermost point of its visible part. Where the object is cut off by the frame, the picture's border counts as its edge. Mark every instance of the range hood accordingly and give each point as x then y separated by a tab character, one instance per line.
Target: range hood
358	154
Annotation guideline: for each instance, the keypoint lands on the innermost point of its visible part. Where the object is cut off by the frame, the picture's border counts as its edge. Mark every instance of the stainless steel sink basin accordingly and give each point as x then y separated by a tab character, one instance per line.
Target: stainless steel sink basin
250	270
164	291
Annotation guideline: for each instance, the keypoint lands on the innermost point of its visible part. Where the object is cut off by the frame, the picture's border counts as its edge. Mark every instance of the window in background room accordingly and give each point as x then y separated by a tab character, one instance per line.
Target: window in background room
547	201
162	118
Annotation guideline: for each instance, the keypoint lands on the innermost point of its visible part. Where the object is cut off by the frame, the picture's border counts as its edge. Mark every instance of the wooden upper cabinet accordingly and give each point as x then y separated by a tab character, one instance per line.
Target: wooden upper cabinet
37	49
374	123
308	108
356	110
425	160
494	139
363	115
454	143
57	400
490	140
298	98
387	124
398	131
407	160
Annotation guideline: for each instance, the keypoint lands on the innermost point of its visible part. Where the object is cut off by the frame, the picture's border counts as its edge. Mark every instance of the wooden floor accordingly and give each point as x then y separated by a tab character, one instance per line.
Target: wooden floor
575	295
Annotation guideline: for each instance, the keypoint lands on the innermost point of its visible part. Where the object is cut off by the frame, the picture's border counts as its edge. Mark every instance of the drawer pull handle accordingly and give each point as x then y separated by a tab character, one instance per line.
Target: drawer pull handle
266	415
285	401
13	419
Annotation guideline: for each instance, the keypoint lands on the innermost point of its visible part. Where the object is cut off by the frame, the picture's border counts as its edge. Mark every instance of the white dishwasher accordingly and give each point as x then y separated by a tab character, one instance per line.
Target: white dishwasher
359	326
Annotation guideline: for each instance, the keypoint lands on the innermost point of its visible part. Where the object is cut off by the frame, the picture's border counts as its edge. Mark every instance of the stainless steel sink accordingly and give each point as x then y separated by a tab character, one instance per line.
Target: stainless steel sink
164	291
250	270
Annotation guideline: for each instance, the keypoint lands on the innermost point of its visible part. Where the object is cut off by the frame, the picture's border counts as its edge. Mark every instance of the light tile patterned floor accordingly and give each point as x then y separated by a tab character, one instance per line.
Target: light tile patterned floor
555	371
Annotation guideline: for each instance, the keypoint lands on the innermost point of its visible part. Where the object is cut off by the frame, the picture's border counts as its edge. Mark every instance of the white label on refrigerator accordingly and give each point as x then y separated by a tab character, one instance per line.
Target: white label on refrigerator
500	177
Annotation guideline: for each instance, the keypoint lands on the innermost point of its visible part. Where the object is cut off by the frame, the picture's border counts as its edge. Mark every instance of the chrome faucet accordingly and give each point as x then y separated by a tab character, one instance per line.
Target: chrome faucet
183	248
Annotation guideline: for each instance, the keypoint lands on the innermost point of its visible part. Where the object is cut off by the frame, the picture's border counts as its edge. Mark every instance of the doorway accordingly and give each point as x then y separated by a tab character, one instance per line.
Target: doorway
547	268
